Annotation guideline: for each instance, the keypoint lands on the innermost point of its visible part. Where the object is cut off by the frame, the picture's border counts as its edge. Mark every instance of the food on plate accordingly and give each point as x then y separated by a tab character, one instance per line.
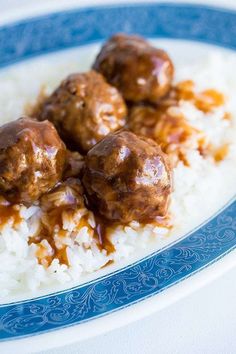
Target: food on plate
88	181
169	128
67	194
140	71
32	159
74	164
84	109
127	178
64	201
167	124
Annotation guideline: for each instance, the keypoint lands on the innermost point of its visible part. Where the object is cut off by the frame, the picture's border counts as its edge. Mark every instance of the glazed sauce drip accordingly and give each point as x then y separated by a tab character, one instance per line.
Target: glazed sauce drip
53	220
66	200
51	231
175	135
108	263
227	116
221	153
103	230
181	157
51	225
170	129
159	221
45	256
167	125
9	212
205	101
175	130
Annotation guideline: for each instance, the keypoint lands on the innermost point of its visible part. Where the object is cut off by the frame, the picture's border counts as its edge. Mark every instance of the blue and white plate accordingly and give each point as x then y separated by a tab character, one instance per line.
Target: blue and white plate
160	278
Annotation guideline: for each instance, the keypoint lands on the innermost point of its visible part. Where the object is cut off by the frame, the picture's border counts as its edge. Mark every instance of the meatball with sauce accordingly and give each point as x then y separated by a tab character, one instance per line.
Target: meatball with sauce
140	71
127	178
84	109
32	159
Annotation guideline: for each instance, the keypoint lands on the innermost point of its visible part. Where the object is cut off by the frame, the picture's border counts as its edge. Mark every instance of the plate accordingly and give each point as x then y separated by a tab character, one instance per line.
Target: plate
163	276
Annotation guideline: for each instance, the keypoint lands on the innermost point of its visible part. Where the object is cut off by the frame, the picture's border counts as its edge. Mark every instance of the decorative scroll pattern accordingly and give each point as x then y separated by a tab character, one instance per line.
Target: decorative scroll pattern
153	274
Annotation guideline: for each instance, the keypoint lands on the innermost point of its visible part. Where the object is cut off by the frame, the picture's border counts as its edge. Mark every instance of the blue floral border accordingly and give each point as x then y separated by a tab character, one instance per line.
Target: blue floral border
171	265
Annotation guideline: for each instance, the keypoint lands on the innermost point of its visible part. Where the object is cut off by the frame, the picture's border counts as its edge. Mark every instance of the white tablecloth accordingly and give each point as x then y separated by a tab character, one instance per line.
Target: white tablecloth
203	323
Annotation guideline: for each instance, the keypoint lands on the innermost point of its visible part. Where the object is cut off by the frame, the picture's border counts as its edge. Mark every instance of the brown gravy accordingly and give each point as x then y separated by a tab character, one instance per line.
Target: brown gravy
9	212
102	233
49	222
221	153
53	219
205	100
175	131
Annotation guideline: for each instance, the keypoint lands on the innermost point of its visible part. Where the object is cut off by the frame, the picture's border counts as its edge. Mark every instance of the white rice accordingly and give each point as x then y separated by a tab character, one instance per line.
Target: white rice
199	190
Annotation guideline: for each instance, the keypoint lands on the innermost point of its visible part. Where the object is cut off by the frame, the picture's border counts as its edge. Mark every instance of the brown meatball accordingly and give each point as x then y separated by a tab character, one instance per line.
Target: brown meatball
84	109
32	159
127	178
139	71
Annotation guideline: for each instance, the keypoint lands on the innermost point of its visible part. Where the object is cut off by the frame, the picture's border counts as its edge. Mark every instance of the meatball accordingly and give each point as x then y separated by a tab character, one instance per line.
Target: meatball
32	159
139	71
84	109
127	178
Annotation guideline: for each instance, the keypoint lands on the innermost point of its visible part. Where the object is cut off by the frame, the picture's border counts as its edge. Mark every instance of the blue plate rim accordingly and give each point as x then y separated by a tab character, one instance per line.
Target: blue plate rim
25	302
31	19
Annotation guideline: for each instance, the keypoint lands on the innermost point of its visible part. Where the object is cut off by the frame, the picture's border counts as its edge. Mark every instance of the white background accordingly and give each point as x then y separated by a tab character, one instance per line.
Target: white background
203	323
